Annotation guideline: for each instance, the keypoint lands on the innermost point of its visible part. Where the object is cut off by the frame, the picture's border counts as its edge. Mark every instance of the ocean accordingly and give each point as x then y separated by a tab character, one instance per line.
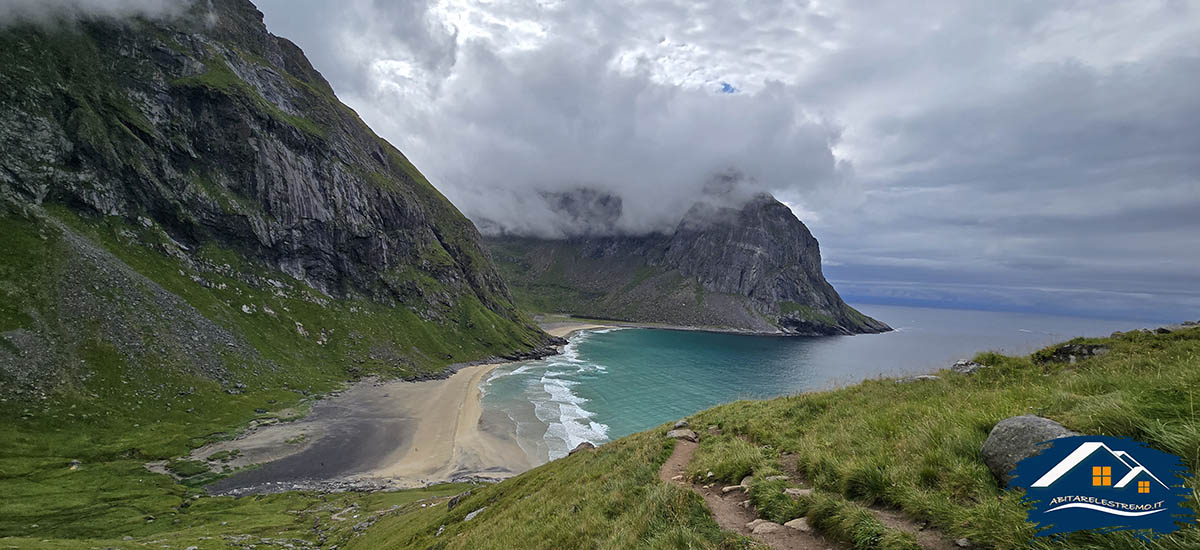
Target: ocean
610	383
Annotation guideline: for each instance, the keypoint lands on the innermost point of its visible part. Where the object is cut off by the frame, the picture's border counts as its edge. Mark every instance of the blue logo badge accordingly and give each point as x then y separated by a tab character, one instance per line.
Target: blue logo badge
1104	483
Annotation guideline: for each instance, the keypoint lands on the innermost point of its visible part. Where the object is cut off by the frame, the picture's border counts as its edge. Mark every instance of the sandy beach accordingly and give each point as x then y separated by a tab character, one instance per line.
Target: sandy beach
449	441
393	434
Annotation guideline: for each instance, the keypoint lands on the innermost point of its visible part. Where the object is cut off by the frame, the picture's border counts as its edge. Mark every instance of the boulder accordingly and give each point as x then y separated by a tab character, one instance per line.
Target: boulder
1175	328
454	500
756	523
766	527
799	524
681	424
746	481
796	492
472	515
1017	438
685	434
585	446
1070	353
966	367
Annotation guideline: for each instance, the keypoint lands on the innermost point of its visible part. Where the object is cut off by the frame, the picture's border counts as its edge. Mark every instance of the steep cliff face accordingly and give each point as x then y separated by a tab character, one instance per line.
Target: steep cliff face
203	164
753	268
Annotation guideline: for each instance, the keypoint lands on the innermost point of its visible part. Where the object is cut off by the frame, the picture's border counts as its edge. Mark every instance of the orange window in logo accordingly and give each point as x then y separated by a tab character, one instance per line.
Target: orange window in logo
1102	477
1143	486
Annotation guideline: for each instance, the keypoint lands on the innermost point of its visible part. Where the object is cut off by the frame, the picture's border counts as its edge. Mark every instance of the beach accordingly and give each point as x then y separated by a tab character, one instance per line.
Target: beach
449	441
382	434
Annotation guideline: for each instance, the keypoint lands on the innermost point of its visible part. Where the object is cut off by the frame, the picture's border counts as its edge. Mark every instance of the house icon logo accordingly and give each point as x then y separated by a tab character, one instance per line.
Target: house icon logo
1104	483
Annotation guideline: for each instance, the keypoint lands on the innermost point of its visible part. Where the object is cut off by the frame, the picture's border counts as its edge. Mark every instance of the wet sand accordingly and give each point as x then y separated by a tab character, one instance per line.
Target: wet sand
382	435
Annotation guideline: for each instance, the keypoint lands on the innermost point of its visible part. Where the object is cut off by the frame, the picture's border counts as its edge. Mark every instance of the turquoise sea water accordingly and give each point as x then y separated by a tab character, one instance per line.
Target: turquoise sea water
613	382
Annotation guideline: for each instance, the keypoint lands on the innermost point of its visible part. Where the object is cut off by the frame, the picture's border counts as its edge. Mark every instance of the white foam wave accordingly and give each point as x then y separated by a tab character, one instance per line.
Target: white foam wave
567	423
555	404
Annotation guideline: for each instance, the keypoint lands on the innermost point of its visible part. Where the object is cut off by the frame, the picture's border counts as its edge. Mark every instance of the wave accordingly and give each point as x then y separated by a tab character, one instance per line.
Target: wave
549	388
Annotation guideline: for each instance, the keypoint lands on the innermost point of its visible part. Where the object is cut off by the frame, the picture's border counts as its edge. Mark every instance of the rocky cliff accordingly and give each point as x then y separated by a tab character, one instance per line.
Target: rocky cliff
753	268
191	194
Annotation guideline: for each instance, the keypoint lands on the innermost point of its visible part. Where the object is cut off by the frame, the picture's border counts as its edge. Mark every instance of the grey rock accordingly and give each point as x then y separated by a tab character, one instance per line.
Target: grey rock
1017	438
472	515
731	488
756	267
454	500
1072	353
685	434
795	492
918	378
746	481
799	524
777	478
681	424
966	367
962	543
269	166
585	446
766	527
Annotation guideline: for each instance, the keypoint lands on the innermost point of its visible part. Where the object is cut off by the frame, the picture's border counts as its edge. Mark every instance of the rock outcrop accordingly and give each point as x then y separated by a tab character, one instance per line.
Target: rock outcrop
206	154
1017	438
753	268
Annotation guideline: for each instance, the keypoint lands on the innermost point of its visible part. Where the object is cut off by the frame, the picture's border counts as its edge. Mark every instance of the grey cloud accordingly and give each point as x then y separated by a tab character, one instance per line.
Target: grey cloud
53	11
1012	146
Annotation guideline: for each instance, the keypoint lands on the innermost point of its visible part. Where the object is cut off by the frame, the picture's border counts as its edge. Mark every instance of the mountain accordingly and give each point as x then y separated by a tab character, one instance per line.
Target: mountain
754	268
187	201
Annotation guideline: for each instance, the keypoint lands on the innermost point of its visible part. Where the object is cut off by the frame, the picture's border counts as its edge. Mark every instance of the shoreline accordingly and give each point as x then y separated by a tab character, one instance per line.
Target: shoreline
403	434
615	323
445	447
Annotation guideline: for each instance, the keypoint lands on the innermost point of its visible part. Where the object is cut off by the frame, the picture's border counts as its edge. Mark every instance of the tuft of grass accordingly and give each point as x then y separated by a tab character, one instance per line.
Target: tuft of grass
187	468
728	458
846	521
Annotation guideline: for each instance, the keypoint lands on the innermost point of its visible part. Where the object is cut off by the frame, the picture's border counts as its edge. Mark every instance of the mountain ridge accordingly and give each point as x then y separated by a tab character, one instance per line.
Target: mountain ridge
752	268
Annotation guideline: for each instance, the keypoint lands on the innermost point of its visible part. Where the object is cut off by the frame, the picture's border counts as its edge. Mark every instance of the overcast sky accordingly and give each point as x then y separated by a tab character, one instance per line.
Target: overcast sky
1041	155
1030	155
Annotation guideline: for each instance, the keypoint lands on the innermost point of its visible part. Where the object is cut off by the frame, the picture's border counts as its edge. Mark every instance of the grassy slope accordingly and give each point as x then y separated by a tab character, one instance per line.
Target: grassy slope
609	498
912	446
114	414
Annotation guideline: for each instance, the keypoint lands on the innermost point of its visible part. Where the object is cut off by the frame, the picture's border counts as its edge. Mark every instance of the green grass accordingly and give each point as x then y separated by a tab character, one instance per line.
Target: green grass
805	312
218	77
114	413
915	447
729	459
846	521
911	447
609	498
300	519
